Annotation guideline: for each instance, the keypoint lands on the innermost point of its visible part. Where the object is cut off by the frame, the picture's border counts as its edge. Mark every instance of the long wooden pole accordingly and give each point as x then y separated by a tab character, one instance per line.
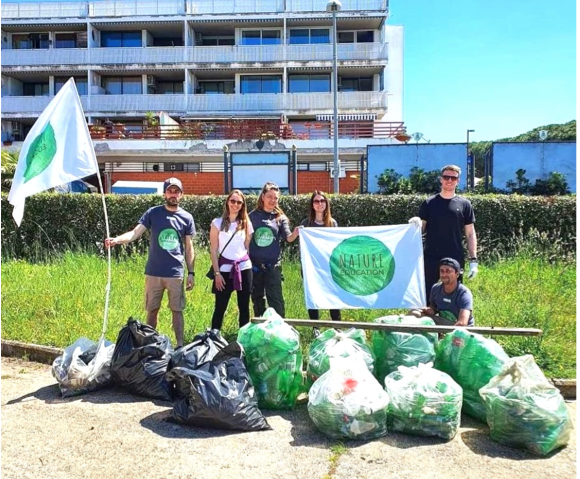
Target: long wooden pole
406	328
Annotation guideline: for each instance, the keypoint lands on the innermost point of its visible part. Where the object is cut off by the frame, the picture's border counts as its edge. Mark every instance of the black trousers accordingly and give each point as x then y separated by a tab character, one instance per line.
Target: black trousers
222	298
267	285
334	314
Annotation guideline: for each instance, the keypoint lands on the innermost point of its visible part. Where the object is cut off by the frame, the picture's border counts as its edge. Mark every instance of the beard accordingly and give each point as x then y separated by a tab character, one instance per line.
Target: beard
172	201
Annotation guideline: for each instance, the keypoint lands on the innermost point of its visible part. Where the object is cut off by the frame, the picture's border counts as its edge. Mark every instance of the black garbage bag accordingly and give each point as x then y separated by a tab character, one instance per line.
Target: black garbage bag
140	361
216	391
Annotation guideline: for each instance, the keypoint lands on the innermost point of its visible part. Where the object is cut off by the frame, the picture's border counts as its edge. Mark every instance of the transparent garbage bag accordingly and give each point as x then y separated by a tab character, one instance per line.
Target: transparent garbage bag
332	343
274	360
424	402
84	366
347	402
524	409
393	349
471	360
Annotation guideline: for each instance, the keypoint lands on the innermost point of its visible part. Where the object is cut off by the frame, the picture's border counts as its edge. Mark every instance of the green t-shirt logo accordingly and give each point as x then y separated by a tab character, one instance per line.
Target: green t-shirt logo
362	265
41	153
168	239
263	237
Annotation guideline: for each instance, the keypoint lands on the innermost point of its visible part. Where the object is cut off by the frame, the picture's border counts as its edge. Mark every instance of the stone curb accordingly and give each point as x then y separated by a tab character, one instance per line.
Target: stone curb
47	354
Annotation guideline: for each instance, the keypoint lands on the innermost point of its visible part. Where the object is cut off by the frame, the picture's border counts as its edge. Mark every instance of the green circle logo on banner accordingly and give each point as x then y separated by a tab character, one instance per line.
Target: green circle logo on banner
263	237
362	265
168	239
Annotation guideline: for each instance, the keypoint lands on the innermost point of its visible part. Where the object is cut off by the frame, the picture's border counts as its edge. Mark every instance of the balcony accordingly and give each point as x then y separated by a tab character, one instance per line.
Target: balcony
123	105
180	55
214	7
320	5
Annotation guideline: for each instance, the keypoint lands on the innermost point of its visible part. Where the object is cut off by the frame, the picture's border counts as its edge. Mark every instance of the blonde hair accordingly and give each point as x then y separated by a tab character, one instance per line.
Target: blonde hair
242	219
270	187
326	217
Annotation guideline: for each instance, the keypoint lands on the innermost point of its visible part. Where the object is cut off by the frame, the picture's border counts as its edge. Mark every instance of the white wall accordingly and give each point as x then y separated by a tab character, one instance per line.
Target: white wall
394	73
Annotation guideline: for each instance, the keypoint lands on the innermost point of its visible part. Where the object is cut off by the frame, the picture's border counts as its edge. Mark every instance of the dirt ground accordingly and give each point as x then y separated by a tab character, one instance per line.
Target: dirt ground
110	433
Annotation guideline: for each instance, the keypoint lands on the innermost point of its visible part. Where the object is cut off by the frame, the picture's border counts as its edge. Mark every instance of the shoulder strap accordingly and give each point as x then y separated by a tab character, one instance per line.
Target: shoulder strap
229	241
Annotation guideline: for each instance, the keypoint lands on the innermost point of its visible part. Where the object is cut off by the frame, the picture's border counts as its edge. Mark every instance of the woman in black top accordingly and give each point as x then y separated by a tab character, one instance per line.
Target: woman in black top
319	216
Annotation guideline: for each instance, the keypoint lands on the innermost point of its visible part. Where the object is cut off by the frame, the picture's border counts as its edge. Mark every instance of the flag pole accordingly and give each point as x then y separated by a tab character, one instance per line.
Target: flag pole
108	287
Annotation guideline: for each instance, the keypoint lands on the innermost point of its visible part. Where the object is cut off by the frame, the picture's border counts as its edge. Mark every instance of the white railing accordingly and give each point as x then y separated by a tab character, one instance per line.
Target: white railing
52	56
320	5
177	55
44	10
122	8
191	104
234	6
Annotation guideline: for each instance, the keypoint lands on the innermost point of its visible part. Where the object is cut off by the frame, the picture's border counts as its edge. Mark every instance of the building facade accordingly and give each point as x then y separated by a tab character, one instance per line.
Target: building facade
179	86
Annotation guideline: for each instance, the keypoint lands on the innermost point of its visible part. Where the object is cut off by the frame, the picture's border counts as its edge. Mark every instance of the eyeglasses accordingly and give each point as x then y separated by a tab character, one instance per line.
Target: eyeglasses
236	202
318	202
449	177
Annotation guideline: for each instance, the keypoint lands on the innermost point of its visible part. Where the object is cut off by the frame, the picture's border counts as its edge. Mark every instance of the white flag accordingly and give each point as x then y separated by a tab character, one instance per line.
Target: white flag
370	267
57	150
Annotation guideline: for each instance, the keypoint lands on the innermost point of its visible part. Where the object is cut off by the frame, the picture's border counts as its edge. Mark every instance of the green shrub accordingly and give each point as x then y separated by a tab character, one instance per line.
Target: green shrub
54	223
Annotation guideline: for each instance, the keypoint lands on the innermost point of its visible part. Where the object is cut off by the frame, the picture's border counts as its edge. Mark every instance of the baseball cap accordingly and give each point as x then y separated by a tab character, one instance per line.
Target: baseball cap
172	182
450	262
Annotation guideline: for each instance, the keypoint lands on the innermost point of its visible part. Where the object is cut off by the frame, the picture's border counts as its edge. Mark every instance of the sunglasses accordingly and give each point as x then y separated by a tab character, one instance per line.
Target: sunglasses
450	178
236	202
318	202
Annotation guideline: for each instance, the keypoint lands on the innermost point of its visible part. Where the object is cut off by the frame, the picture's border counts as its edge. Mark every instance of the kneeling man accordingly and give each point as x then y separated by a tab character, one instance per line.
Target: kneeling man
450	302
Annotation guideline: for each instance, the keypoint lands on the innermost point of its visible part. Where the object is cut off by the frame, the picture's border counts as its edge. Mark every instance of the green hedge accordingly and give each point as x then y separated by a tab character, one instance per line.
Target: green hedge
56	222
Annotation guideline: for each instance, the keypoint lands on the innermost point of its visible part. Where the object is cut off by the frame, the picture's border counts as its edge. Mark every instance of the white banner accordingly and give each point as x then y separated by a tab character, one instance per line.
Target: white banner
57	150
368	267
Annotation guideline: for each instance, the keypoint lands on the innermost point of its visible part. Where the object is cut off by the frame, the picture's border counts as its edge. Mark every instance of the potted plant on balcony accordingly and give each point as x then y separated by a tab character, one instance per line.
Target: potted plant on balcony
152	128
98	132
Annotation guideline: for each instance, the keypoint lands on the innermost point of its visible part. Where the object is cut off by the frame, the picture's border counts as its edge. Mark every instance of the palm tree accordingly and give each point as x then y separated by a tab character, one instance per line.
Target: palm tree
9	161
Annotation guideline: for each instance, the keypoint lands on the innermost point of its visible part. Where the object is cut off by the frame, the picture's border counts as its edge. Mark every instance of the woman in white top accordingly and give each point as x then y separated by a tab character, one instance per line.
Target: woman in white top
229	239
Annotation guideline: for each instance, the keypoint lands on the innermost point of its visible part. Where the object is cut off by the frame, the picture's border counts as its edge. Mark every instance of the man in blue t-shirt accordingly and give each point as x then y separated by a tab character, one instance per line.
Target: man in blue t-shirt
172	229
450	302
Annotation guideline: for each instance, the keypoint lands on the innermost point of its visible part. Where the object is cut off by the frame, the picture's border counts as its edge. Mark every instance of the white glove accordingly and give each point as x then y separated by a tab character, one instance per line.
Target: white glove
416	221
472	270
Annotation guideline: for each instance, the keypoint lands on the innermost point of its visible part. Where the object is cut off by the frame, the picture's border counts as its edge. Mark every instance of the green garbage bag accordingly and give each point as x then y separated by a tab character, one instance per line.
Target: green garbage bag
274	360
393	349
347	402
423	401
333	343
524	410
472	360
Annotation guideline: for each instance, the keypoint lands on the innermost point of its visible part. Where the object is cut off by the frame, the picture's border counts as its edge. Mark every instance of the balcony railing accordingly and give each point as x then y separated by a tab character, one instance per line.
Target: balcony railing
183	55
290	103
121	8
249	129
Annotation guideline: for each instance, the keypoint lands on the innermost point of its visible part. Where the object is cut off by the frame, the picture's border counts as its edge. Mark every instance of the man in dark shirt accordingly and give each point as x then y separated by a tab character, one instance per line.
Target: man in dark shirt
450	302
445	218
172	229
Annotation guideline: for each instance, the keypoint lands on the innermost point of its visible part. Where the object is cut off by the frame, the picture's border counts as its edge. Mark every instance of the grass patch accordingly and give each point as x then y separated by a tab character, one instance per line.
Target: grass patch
336	451
56	302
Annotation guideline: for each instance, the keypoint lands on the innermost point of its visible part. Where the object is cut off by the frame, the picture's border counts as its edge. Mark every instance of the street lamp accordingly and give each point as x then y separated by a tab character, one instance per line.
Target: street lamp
334	6
470	164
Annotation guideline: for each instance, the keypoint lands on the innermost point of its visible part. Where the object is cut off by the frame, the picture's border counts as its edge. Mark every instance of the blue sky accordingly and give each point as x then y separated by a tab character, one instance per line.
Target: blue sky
499	67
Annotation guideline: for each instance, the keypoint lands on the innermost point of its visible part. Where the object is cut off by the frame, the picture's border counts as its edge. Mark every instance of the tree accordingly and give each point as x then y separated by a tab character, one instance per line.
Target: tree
9	161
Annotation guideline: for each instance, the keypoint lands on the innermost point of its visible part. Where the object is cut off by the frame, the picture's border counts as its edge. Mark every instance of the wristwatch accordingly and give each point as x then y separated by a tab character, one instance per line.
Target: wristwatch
473	260
192	273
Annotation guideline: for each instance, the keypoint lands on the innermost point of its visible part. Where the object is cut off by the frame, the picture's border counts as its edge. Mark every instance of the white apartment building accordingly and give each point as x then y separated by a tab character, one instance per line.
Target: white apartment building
203	75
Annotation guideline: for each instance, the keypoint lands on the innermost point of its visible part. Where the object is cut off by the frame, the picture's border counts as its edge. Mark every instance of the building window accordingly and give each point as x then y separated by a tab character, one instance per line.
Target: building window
356	84
261	37
35	89
216	41
168	42
65	40
122	85
169	87
216	87
261	84
81	83
359	36
305	36
309	83
29	41
120	39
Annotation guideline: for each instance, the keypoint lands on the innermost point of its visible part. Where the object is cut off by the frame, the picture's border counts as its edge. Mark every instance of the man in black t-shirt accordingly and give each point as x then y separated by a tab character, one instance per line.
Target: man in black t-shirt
445	218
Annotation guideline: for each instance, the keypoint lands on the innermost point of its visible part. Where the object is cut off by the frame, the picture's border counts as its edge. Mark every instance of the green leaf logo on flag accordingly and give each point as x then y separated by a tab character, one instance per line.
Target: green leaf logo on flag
41	153
362	265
